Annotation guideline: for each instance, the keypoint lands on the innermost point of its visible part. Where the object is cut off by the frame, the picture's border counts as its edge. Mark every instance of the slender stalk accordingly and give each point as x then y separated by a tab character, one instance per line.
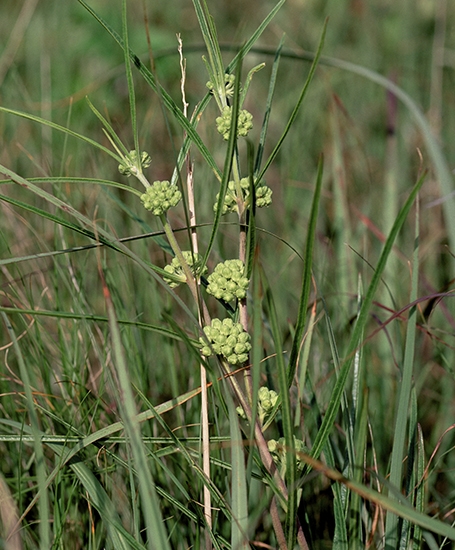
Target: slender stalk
207	499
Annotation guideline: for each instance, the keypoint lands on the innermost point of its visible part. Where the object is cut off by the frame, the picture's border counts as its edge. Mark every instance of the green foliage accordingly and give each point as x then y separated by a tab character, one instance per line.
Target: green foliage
300	396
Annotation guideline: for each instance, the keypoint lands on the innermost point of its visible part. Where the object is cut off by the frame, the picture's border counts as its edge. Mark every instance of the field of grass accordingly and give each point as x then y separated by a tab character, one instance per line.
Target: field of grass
336	429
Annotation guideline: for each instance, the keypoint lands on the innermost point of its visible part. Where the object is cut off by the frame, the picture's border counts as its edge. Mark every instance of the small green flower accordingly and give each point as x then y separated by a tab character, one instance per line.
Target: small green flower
267	399
228	281
230	199
132	166
161	196
263	196
244	124
278	451
194	261
229	80
227	339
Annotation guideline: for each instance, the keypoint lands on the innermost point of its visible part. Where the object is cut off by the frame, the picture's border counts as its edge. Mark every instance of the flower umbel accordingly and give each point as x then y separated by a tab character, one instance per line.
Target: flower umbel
175	268
227	339
132	164
244	124
267	399
263	196
228	281
161	196
229	80
278	451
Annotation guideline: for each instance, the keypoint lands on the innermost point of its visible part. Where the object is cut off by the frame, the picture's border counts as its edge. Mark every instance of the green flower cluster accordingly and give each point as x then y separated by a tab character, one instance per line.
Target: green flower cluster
228	281
175	268
227	339
278	451
262	191
263	196
229	80
132	165
161	196
244	124
267	399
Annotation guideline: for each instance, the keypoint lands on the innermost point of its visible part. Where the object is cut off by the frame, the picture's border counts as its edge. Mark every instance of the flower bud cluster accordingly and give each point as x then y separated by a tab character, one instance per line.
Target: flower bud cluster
263	196
244	124
267	399
161	196
132	165
227	339
175	268
278	451
228	281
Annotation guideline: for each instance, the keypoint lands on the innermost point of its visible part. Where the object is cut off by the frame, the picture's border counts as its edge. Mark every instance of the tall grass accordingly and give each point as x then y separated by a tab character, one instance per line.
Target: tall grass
120	427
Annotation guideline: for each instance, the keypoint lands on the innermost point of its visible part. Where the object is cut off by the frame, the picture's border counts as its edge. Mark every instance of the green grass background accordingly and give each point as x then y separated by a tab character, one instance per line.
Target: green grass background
373	154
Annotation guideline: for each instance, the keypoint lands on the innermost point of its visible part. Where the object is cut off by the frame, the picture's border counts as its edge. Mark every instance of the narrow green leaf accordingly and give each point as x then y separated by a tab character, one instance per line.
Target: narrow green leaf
239	524
256	344
401	508
268	109
340	536
354	343
231	145
355	513
291	463
39	459
251	215
255	35
119	537
156	534
295	111
403	397
420	491
101	234
169	103
109	130
158	329
306	278
209	35
59	128
445	178
248	79
129	79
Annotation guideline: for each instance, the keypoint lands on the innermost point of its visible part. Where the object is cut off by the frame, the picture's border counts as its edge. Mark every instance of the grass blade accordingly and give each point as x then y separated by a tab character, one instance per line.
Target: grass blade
100	232
169	103
59	128
239	525
307	274
268	109
157	536
403	398
231	145
40	462
334	404
294	113
291	464
129	79
403	509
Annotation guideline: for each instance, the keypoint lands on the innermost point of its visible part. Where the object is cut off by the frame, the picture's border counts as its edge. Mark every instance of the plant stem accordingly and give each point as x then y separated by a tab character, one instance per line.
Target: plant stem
207	499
